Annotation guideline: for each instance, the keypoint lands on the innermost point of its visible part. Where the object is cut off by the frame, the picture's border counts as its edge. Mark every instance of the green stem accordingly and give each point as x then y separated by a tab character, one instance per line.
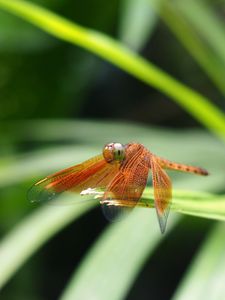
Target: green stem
193	102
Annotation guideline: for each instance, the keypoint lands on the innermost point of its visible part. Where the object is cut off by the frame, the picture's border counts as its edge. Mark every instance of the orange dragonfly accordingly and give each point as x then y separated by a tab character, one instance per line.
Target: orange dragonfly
121	171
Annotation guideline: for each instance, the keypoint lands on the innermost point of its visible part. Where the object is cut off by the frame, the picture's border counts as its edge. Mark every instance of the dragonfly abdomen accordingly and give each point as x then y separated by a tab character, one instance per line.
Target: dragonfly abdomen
166	164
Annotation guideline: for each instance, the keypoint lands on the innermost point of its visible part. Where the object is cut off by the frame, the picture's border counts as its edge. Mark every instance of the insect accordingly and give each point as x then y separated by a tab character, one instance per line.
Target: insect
121	171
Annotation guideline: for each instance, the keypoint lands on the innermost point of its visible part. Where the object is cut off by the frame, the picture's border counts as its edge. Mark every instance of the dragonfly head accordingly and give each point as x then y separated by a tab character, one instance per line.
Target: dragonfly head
114	152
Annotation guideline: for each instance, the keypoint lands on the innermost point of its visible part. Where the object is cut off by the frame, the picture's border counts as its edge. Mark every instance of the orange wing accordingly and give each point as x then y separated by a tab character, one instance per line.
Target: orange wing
93	173
162	192
124	190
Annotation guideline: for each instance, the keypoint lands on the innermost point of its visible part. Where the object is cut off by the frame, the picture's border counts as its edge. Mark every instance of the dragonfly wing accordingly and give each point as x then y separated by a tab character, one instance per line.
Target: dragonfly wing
162	192
124	191
95	172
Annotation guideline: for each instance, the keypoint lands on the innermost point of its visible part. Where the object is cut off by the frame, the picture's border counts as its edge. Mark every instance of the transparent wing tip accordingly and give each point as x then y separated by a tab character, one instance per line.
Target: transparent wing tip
162	224
39	194
114	213
162	218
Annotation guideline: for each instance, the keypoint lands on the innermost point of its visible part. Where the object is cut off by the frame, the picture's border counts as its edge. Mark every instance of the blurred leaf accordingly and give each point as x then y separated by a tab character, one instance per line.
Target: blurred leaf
125	244
137	22
40	226
33	231
124	240
190	38
104	46
205	277
18	36
45	222
191	147
192	203
207	23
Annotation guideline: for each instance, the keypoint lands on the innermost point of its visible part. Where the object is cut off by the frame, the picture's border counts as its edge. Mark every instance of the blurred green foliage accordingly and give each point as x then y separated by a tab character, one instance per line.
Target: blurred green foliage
60	104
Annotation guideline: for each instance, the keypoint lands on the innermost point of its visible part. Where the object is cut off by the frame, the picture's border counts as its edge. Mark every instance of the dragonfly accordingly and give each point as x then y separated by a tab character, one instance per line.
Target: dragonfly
121	172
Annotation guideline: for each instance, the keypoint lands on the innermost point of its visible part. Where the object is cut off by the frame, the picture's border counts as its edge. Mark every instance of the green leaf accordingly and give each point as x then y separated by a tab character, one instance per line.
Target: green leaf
47	221
205	277
18	36
192	147
197	105
178	22
40	226
113	263
126	240
191	203
29	235
202	17
137	22
41	162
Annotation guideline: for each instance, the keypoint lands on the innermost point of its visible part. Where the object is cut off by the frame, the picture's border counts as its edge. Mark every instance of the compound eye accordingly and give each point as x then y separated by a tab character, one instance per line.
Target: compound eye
119	152
114	152
108	152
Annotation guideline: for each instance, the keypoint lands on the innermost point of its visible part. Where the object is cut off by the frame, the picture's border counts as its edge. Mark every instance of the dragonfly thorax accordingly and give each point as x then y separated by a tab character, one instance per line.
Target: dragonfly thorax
114	152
